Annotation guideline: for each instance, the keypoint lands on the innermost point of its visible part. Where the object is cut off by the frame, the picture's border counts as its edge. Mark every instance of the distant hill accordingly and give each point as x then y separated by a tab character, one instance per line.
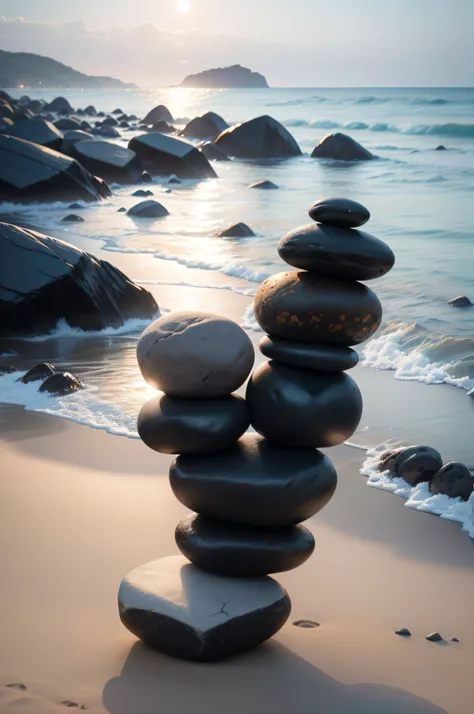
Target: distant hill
21	69
226	78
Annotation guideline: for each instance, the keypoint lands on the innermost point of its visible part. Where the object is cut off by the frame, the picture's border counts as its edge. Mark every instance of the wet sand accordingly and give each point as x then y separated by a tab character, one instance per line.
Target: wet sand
81	508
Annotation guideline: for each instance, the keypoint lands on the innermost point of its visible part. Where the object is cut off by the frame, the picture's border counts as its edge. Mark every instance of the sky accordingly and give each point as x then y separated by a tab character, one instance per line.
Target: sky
293	42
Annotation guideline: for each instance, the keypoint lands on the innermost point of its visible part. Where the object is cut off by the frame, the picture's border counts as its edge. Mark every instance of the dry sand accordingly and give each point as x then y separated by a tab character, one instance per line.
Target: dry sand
80	508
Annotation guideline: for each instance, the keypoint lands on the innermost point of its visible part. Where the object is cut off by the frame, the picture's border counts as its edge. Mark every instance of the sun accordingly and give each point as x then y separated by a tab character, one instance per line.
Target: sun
183	6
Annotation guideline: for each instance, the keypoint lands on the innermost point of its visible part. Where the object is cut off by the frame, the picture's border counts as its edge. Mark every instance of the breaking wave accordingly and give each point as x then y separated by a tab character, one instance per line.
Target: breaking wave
451	129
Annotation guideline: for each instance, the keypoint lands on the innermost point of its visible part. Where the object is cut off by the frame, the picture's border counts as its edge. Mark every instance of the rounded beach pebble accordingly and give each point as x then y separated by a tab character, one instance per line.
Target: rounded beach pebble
418	463
195	355
453	480
326	358
341	212
236	550
186	612
192	426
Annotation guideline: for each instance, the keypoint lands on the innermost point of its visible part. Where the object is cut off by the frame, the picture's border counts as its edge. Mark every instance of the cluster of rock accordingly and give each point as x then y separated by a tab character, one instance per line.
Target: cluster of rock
423	464
53	382
250	494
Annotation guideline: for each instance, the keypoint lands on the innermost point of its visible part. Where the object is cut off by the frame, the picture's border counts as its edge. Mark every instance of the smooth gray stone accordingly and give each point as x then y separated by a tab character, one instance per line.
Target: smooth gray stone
29	172
263	137
192	426
388	460
45	280
321	357
159	113
195	354
110	121
212	152
453	480
165	155
61	384
148	209
340	212
403	632
185	612
206	126
73	137
122	210
255	482
460	301
341	148
69	123
343	253
39	372
107	160
236	230
264	185
306	624
311	308
235	550
37	131
417	464
303	408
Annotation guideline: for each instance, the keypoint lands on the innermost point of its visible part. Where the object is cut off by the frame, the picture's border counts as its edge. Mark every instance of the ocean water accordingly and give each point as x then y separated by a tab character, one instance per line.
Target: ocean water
421	204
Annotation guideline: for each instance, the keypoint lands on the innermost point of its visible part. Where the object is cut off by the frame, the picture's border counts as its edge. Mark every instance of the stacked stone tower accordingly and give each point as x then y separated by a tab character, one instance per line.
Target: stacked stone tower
249	494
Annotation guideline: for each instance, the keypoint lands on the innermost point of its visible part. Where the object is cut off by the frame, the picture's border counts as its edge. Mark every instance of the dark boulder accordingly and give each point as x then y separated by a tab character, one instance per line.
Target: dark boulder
166	155
38	373
90	110
148	209
236	230
60	384
45	280
160	113
122	209
109	161
259	138
107	132
68	124
453	480
29	172
60	105
342	148
206	126
146	177
35	106
73	137
264	185
6	110
418	464
5	125
174	180
163	127
110	121
235	550
460	301
117	111
340	212
212	152
123	125
72	218
37	131
441	148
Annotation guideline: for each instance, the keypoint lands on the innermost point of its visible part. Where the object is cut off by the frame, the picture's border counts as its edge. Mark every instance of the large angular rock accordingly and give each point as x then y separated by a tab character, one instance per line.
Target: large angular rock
303	408
324	358
255	482
109	161
194	355
44	280
192	426
29	172
235	550
166	155
185	612
310	308
206	126
212	152
260	138
37	131
341	148
339	252
72	137
159	113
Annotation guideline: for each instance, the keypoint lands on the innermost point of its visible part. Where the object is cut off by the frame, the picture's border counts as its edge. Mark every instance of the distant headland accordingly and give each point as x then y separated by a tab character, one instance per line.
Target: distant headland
22	69
226	78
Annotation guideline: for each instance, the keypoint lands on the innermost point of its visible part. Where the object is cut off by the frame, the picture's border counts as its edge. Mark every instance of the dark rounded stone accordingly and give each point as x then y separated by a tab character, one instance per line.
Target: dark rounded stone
403	632
236	230
340	212
9	369
159	113
76	206
61	384
37	131
142	193
195	355
434	637
305	307
236	550
72	218
192	426
148	209
255	482
301	407
341	147
417	464
441	148
336	252
39	372
265	185
259	138
73	137
454	639
306	624
460	301
175	180
206	126
453	480
185	612
325	358
388	460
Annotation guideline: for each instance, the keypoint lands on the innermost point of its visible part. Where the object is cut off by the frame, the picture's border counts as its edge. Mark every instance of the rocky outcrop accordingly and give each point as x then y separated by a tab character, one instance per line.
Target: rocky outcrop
166	155
29	172
260	138
342	148
44	280
226	77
